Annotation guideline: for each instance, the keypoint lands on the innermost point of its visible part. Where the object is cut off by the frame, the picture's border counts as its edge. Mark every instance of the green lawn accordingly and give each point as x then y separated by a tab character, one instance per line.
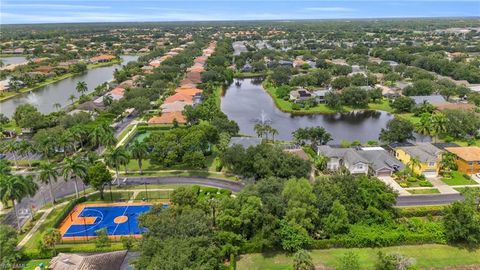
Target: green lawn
156	196
463	189
30	265
457	178
424	191
117	196
426	256
152	186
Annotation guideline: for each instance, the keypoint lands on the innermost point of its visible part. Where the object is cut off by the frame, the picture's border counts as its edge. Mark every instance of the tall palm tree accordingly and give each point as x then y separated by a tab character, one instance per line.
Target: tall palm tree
414	163
103	135
72	98
15	188
274	132
57	106
79	135
48	173
448	162
11	147
424	127
439	124
116	157
24	149
139	151
81	87
65	141
74	167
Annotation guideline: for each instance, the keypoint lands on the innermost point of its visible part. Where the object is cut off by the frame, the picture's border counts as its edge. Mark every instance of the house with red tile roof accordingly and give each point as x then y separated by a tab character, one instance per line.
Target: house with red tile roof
102	58
179	97
168	118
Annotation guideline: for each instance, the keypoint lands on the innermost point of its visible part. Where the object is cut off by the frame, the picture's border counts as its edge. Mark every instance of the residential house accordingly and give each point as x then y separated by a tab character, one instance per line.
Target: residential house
245	142
433	99
285	63
380	162
247	68
102	58
321	94
72	261
300	94
468	158
428	155
167	118
344	157
299	152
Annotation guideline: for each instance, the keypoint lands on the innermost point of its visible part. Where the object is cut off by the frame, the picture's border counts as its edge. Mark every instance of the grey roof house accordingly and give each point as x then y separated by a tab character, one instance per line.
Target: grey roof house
300	94
433	99
98	261
344	157
380	161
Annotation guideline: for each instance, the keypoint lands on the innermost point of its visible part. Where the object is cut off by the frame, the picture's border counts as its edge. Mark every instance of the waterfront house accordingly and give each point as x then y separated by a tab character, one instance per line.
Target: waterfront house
468	158
168	118
300	94
320	94
102	58
433	99
71	261
428	155
179	97
380	162
343	157
247	68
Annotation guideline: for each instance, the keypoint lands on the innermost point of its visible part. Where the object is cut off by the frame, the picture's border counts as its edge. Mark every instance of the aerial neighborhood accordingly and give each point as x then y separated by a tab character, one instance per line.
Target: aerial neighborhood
279	144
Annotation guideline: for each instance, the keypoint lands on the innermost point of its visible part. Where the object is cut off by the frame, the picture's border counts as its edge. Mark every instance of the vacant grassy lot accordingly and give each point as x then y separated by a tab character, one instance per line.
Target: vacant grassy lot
426	256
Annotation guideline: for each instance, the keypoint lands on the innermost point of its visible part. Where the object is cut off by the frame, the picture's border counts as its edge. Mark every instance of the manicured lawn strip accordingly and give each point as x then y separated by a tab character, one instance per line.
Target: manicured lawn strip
424	191
426	256
463	189
152	186
117	196
457	179
163	196
32	244
192	173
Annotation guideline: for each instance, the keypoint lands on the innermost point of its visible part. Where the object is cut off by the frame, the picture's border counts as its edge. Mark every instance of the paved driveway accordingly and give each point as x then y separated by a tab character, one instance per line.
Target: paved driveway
388	180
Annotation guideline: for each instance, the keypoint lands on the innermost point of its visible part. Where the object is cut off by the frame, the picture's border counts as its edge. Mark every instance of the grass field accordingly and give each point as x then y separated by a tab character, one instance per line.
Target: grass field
457	178
117	196
424	191
426	256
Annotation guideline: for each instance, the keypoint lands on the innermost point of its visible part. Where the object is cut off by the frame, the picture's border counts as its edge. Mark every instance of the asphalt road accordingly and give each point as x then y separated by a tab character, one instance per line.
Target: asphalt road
62	189
422	200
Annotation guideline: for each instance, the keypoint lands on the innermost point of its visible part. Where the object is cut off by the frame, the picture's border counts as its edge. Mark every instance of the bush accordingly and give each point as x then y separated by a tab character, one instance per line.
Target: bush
412	179
421	211
404	184
425	183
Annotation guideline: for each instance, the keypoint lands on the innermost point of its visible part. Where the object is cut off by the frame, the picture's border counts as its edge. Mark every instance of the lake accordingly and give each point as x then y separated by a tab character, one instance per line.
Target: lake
249	104
13	60
44	98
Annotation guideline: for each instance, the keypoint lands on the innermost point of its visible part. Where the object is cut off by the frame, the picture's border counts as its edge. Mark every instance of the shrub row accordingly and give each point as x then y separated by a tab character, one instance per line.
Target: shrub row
421	211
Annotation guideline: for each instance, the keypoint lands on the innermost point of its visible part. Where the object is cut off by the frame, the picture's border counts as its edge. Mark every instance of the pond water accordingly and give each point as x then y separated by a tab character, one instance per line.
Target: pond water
249	104
13	60
59	92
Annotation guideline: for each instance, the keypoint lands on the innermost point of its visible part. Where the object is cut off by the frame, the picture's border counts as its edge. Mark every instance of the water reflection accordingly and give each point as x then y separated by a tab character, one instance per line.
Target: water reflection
248	104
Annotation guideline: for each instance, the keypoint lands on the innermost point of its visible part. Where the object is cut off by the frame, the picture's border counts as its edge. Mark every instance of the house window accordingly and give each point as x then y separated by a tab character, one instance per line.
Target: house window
470	163
431	164
478	162
359	166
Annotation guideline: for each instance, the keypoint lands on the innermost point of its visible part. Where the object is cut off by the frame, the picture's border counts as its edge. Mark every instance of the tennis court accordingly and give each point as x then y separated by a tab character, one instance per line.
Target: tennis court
119	219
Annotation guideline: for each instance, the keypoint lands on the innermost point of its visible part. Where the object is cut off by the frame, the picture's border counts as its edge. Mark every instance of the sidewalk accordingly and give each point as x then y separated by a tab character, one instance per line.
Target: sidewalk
388	180
442	187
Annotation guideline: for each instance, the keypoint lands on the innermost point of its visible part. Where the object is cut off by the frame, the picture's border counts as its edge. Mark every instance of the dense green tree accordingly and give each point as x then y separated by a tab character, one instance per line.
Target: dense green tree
462	220
27	116
8	249
402	104
337	221
397	130
15	188
98	176
48	173
315	135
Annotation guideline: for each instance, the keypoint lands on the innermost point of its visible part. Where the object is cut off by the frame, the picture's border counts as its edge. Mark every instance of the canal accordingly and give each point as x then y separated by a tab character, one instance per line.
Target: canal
59	92
249	104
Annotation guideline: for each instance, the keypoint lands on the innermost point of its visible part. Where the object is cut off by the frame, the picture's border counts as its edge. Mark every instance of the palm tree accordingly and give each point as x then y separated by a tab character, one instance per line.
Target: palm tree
424	127
81	87
57	106
79	135
116	157
139	151
321	162
448	162
259	129
65	141
74	167
274	132
15	188
103	135
414	163
72	98
48	173
11	147
24	149
439	124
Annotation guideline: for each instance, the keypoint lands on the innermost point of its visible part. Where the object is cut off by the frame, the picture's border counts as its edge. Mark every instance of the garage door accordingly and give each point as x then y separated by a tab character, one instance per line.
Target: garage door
383	173
430	173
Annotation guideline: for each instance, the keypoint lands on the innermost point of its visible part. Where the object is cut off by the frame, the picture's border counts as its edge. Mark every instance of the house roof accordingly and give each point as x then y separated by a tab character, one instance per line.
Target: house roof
191	91
454	106
468	153
176	106
111	260
102	57
434	99
299	152
168	118
380	159
245	141
425	152
347	154
179	97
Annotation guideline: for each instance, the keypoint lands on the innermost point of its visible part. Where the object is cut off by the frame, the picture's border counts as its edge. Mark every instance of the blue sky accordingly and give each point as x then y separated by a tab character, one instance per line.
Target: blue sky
55	11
